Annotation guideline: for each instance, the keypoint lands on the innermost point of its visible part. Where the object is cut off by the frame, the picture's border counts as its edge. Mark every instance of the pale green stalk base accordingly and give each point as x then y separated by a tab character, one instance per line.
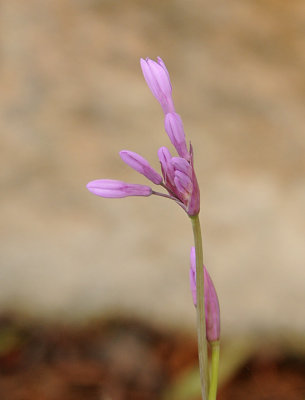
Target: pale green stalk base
214	370
201	329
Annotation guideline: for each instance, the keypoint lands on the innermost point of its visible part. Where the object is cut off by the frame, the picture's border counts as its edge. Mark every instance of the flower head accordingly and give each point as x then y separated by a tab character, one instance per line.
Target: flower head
179	178
212	313
174	129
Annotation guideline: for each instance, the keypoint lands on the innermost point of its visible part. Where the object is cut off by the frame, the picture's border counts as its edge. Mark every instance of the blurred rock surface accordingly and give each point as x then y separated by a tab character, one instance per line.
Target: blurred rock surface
72	96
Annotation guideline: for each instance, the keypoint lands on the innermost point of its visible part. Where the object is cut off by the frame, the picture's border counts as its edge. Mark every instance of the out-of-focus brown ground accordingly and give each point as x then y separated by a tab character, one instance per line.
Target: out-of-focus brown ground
72	96
125	360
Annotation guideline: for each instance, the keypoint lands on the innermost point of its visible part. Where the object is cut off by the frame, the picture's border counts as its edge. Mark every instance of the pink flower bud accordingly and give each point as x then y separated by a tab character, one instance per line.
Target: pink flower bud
183	184
174	128
117	189
211	304
139	163
180	164
157	79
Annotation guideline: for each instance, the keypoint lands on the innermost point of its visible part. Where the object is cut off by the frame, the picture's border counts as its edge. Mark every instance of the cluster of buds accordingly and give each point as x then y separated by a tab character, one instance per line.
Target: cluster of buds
178	175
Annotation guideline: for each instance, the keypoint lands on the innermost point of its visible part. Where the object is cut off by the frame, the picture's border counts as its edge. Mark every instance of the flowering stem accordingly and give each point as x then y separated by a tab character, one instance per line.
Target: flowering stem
214	370
201	329
169	197
163	195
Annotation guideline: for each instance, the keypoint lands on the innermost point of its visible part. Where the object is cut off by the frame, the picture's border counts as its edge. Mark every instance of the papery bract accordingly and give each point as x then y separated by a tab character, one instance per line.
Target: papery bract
167	167
183	185
193	206
211	304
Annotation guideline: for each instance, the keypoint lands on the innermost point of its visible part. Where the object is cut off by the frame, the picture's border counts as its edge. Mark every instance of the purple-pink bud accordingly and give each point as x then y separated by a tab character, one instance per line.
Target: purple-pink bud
174	128
182	165
157	79
117	189
139	163
211	304
183	183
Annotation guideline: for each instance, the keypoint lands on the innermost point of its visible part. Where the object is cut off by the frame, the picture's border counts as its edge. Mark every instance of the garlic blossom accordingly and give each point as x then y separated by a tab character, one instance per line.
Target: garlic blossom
178	180
178	175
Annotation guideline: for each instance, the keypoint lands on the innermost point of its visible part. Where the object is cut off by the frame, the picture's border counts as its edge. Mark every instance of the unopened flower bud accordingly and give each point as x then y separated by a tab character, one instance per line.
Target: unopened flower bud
157	79
139	163
117	189
211	304
174	128
183	184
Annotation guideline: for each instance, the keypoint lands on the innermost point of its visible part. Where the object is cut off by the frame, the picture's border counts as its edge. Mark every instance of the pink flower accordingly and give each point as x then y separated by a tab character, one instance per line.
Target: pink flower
211	304
179	178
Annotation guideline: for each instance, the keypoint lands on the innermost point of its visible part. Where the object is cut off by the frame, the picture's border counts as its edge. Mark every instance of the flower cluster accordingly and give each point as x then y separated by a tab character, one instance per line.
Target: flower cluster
212	313
178	175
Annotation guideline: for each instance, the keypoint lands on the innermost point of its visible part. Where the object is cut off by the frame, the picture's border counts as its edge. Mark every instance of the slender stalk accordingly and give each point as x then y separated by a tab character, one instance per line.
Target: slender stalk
201	329
214	370
163	195
169	197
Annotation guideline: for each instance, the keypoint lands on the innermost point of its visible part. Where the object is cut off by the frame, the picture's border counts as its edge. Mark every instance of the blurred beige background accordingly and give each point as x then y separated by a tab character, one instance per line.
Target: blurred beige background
72	96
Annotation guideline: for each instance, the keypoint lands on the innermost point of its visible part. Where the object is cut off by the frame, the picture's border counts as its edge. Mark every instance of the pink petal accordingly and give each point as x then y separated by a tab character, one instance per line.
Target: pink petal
174	128
142	166
117	189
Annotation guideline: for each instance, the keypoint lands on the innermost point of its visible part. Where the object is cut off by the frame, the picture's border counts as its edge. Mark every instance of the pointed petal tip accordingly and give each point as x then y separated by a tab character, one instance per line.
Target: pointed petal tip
142	61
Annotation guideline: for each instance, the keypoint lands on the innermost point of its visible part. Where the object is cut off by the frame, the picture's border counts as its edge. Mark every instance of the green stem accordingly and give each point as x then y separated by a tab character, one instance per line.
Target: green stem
201	329
214	370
